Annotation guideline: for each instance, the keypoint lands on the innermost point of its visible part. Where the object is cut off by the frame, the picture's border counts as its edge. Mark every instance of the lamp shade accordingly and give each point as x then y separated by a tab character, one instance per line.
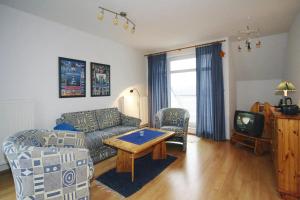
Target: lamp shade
286	86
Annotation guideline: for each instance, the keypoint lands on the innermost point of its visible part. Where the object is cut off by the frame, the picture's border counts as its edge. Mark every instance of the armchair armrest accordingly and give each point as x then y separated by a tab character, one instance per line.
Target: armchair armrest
158	119
186	122
65	139
52	159
130	121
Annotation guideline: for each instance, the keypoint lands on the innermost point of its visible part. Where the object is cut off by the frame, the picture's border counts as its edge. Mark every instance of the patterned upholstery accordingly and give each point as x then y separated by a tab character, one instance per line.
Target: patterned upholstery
174	119
49	164
130	121
83	121
110	122
95	140
108	117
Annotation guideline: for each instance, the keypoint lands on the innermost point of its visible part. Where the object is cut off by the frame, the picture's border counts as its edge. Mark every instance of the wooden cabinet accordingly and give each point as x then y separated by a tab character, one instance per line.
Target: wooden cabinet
286	154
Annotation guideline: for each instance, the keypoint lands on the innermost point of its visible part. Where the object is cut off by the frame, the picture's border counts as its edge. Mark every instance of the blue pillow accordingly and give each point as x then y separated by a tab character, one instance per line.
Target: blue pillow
65	127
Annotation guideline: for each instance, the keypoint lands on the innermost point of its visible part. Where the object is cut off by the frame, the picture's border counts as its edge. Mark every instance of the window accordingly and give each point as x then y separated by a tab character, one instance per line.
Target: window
183	86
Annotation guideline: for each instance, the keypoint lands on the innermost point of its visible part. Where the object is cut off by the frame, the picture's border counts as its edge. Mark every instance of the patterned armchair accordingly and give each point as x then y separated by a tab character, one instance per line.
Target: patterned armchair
174	119
49	164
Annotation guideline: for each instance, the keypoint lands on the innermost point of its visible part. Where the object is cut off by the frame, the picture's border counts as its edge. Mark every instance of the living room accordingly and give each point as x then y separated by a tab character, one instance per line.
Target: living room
145	57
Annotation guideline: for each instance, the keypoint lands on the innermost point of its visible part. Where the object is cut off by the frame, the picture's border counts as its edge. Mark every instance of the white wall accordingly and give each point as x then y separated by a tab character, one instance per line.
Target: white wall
29	51
292	71
258	72
249	92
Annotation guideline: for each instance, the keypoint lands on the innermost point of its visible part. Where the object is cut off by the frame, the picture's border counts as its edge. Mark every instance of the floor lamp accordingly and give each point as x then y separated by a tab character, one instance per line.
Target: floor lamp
137	91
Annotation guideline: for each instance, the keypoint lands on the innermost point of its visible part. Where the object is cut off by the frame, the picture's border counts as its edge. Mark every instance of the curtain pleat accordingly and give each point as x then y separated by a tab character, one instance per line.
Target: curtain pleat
157	85
210	120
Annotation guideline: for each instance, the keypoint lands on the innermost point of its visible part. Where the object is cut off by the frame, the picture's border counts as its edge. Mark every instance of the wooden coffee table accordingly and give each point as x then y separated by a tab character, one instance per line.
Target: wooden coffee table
128	152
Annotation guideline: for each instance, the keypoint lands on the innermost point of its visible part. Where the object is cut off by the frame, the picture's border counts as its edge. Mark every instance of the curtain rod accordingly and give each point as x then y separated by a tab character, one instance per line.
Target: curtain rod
188	47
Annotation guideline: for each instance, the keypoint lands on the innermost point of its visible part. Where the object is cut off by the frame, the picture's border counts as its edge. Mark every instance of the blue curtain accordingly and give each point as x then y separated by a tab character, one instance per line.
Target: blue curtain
157	84
210	93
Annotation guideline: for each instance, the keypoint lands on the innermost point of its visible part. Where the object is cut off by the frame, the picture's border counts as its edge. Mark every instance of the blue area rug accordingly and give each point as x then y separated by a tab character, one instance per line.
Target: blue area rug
146	169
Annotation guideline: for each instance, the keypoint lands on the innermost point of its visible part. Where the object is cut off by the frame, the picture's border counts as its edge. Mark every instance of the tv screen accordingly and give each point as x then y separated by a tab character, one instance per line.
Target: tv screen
249	123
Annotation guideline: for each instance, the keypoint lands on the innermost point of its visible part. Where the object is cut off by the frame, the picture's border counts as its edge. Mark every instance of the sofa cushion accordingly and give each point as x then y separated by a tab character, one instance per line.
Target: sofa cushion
117	130
83	121
108	117
95	139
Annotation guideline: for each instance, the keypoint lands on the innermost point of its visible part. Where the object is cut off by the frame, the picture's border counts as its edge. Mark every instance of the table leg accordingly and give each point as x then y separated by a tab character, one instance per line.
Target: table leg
124	163
132	167
159	151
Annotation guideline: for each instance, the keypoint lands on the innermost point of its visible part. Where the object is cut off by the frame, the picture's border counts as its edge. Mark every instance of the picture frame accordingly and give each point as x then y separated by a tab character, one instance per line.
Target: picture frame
72	77
100	80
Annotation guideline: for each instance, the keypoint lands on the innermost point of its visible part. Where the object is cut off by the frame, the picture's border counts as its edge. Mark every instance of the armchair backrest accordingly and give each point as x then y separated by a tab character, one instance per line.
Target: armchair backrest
174	116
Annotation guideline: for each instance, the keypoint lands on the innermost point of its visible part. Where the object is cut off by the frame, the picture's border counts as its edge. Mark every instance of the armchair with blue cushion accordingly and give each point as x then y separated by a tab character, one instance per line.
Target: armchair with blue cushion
174	119
49	164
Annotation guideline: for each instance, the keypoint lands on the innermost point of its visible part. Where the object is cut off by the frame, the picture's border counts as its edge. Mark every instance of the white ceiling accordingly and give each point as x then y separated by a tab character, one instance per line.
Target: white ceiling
163	24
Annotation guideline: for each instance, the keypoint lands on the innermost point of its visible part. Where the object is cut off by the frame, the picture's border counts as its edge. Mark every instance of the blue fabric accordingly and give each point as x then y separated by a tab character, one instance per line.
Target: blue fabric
65	126
157	85
136	138
210	120
146	169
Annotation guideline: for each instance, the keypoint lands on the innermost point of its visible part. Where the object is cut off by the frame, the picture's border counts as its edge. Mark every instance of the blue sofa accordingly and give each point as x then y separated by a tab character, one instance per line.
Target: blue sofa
99	125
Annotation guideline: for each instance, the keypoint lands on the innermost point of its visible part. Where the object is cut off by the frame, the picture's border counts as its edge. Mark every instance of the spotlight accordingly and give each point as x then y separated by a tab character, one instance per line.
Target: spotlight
100	15
126	25
133	30
116	20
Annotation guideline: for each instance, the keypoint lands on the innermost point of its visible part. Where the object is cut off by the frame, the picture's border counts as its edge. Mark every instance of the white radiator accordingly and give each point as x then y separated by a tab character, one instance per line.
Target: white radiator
15	115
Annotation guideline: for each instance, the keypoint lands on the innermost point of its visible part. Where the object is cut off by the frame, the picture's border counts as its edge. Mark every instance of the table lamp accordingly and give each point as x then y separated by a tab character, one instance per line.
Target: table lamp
286	87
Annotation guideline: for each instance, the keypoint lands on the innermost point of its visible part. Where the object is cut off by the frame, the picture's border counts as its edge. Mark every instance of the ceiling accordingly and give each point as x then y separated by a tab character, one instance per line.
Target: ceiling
163	24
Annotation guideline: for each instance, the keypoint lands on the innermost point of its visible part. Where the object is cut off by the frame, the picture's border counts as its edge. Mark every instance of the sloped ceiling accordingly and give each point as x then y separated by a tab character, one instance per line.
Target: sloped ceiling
162	24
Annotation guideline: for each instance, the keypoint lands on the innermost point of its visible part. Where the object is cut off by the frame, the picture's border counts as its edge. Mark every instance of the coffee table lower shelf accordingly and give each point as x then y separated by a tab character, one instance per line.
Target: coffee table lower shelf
125	160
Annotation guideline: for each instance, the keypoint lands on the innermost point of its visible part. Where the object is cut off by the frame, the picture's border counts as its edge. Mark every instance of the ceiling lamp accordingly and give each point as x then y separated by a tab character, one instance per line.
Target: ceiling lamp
246	37
123	15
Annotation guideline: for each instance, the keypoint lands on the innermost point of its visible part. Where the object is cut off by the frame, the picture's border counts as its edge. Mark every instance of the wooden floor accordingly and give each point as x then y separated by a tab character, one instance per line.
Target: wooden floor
208	171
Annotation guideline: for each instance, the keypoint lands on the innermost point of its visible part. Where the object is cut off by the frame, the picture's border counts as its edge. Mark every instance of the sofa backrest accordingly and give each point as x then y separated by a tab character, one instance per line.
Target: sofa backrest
108	117
84	121
90	121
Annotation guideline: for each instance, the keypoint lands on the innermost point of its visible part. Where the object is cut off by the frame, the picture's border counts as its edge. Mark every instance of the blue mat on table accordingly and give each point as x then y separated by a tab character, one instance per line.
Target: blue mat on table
136	138
146	169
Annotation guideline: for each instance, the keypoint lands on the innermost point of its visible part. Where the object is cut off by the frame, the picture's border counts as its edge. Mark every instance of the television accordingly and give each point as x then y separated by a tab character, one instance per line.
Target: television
249	123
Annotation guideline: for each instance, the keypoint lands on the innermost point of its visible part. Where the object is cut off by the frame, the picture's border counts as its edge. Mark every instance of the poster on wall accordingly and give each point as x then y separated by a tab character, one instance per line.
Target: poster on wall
72	77
100	80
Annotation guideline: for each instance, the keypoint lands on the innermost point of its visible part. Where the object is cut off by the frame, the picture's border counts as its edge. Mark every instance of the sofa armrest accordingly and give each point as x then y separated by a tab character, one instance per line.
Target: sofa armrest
130	121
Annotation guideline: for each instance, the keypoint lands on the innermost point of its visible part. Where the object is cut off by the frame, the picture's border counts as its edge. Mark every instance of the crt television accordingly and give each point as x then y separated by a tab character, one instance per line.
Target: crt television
249	123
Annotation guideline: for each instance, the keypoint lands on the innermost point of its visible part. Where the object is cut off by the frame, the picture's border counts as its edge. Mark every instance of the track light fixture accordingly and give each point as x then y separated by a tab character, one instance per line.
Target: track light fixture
123	15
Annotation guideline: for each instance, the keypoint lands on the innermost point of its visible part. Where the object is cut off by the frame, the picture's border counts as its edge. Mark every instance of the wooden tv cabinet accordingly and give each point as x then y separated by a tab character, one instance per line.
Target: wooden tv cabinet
286	153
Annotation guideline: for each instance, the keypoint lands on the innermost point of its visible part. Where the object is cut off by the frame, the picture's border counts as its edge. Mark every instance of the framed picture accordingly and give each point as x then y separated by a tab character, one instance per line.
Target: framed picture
100	80
72	78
